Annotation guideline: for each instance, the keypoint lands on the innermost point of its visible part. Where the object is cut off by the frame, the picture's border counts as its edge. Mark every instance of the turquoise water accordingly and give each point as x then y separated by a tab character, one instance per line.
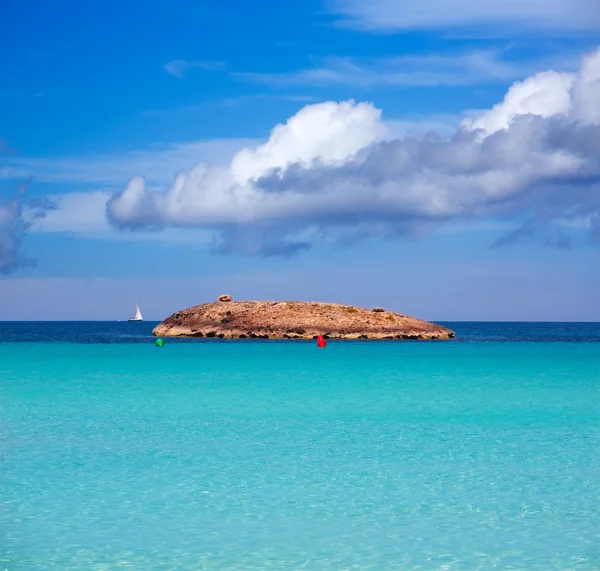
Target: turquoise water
466	454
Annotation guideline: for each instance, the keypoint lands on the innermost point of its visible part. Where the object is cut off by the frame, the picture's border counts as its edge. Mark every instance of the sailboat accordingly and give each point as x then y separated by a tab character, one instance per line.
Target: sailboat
138	314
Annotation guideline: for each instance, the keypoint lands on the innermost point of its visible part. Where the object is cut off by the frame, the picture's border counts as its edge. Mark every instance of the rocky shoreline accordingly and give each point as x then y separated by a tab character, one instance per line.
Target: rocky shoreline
227	319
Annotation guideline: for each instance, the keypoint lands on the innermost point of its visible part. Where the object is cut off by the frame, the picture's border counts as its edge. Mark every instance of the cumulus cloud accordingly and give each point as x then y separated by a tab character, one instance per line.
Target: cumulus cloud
545	94
332	171
548	94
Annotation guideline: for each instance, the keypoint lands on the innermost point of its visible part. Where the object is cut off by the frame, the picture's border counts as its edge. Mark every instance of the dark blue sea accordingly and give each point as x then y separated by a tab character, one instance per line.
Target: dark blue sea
141	332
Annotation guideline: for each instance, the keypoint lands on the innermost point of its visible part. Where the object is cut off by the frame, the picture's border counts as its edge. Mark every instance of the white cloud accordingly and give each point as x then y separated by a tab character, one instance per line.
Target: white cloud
179	67
545	94
511	16
548	94
331	170
82	213
330	131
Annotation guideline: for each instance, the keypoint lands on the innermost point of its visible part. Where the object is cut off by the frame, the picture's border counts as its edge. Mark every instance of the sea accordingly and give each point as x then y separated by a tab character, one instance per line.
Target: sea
477	453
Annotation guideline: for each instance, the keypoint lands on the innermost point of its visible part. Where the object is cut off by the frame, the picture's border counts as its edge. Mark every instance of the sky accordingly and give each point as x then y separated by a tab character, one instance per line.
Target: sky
440	158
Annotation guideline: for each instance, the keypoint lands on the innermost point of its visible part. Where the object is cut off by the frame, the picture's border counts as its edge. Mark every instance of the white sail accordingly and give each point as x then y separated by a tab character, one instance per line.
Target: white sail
138	314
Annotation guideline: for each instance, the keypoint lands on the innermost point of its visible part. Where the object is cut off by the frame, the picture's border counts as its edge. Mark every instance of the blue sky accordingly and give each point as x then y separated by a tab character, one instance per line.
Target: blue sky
407	172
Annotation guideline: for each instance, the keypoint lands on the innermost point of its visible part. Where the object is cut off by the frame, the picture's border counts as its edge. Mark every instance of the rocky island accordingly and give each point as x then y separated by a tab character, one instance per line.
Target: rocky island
294	320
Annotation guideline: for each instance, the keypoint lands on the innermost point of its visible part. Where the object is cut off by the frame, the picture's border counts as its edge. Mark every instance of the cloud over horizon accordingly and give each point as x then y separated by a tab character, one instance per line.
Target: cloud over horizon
333	172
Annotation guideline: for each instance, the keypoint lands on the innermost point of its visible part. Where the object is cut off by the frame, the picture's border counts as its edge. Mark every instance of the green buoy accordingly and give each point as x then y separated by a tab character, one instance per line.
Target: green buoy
159	342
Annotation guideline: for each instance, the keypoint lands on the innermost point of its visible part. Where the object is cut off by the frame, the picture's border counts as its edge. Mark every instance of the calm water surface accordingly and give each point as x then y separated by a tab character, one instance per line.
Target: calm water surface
478	453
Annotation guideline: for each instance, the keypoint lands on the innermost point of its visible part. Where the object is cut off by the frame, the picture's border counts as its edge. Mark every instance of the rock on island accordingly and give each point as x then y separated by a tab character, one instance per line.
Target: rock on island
295	320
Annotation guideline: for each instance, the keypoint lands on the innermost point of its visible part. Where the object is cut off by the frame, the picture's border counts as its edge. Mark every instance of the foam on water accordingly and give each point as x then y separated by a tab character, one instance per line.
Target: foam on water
267	455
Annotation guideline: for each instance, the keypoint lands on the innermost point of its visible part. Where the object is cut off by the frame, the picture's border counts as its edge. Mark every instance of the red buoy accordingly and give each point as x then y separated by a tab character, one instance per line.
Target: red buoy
321	341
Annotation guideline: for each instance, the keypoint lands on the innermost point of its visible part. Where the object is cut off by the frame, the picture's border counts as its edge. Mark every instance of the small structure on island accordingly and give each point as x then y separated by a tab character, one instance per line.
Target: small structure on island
294	320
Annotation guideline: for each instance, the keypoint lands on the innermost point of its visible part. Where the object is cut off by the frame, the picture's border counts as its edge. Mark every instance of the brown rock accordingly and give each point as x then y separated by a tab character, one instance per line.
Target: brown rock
294	320
378	309
224	297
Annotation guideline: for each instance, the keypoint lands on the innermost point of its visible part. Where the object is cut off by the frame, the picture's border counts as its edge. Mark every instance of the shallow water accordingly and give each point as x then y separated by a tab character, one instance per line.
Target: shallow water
476	453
